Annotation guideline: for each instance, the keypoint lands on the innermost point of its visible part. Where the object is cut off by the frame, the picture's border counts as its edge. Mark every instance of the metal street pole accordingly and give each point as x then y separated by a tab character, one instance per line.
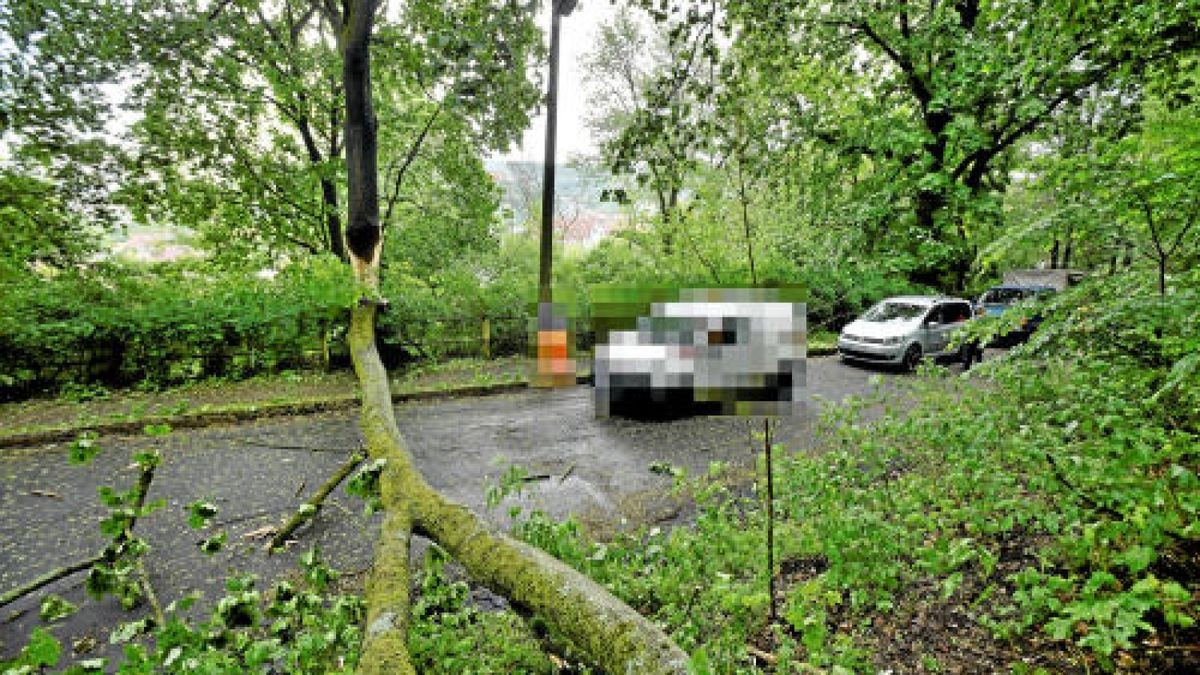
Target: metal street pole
559	9
554	346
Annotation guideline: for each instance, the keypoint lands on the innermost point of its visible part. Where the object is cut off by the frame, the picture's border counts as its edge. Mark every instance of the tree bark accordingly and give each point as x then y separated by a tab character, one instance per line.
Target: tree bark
608	633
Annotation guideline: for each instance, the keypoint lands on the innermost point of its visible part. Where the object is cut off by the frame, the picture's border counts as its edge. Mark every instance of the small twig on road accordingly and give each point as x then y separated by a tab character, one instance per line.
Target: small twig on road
342	507
570	470
308	448
309	509
45	493
13	616
249	516
261	533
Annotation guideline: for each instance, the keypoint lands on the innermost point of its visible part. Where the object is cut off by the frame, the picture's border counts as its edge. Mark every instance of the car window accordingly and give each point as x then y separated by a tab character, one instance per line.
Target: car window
893	311
1002	296
956	312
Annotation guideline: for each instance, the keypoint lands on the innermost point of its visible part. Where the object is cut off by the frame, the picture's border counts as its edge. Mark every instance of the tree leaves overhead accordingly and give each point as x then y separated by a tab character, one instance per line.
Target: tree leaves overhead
928	101
241	135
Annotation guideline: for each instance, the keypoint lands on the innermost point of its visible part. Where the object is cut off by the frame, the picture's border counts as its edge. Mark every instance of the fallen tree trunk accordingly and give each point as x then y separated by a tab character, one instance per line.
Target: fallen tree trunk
607	632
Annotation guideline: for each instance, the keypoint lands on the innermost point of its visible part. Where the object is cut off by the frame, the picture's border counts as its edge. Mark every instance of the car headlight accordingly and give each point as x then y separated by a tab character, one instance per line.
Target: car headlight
893	340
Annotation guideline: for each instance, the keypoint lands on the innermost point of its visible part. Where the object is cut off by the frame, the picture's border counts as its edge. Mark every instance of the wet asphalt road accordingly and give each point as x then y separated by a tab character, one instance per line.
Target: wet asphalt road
257	473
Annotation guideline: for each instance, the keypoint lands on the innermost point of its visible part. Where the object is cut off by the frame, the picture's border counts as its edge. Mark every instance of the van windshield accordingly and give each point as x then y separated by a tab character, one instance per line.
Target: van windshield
894	311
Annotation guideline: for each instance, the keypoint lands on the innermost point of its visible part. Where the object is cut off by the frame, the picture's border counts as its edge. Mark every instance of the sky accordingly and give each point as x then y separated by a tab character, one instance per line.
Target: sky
577	35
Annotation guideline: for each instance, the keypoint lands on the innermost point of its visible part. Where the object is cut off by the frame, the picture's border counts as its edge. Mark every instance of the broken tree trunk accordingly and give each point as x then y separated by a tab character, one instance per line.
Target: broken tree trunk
608	633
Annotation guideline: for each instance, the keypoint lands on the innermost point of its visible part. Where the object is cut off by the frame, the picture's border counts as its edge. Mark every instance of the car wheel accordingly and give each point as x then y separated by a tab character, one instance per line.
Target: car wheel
968	354
912	356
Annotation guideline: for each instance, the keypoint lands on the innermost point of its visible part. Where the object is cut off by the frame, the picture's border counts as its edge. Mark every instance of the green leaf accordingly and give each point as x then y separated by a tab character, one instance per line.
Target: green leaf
1137	558
54	608
43	649
127	631
214	544
200	513
110	497
162	429
83	449
147	460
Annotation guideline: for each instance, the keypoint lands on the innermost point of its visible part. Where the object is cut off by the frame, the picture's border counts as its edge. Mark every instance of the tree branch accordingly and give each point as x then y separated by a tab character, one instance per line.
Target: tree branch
409	157
47	579
607	632
312	505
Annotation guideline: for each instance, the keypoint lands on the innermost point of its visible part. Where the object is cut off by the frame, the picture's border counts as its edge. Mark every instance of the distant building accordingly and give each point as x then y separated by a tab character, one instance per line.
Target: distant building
588	205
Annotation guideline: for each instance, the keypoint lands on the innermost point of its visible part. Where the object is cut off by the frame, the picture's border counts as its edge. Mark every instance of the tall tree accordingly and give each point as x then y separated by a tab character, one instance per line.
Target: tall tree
57	159
610	634
934	96
646	131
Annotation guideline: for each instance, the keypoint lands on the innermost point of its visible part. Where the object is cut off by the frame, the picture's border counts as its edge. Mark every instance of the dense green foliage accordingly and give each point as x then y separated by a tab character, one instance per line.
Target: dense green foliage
299	626
121	325
160	326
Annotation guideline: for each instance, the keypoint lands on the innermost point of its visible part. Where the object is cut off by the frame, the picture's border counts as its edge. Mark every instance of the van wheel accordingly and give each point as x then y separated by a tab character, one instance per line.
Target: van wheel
912	356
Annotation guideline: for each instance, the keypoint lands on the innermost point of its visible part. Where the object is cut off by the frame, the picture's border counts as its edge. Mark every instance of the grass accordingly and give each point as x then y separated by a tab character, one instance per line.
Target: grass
213	399
938	540
822	342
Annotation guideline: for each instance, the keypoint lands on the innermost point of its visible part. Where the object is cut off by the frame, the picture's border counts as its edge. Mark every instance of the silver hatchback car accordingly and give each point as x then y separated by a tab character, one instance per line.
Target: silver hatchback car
903	330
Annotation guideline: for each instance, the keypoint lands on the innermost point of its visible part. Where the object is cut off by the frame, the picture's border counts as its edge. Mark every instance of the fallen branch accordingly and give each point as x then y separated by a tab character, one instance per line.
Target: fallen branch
139	501
142	487
308	510
47	579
